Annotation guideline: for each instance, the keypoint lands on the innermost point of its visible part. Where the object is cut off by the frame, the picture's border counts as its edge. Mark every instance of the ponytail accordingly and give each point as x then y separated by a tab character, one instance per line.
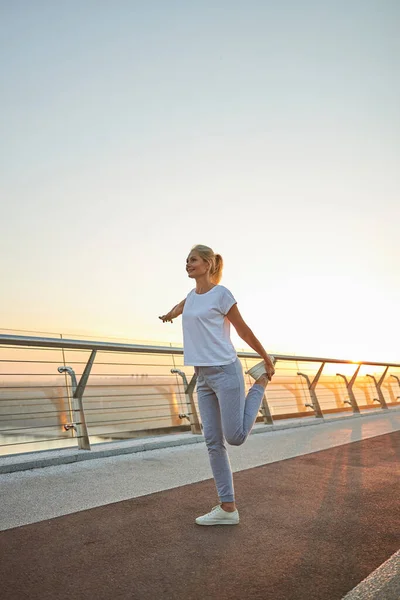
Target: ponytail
216	273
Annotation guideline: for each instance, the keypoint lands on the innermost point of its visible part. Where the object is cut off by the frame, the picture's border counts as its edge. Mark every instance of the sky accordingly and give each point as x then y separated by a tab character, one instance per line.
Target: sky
269	131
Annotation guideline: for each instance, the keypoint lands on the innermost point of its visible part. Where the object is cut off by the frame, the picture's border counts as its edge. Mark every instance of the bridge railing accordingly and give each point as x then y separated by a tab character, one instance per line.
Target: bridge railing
67	392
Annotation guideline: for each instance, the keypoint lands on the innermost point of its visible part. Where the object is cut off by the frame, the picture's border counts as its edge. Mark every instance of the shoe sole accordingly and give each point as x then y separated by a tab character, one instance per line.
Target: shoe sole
219	523
258	370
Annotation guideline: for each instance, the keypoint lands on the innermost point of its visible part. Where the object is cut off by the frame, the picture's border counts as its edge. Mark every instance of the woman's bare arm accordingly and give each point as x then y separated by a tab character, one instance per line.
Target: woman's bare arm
244	331
174	312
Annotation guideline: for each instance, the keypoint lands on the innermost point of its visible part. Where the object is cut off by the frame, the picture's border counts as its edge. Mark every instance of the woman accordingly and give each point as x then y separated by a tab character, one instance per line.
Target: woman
226	413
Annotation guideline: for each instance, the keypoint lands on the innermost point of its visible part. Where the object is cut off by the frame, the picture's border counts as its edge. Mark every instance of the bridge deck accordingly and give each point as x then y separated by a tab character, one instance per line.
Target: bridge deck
312	527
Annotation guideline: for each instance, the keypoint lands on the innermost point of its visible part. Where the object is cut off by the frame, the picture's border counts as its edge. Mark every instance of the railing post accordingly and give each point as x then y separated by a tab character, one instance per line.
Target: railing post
267	412
349	386
77	393
398	381
311	387
192	412
381	397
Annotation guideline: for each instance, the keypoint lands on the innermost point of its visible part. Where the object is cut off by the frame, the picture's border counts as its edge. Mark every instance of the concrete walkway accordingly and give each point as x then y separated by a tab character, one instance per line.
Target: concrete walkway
39	494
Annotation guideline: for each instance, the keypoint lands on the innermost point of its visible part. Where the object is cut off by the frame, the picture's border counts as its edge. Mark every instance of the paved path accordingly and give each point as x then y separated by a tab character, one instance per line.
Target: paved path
289	498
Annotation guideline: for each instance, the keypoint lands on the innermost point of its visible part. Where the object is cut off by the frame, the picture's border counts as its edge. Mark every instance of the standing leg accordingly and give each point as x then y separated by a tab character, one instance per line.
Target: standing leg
215	442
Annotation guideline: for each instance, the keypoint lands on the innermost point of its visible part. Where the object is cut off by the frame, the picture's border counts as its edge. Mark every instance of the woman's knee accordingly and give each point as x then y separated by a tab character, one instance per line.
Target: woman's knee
236	440
214	442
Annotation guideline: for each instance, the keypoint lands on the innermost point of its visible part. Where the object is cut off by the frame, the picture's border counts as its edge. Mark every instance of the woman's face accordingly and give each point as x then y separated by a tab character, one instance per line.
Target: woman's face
195	265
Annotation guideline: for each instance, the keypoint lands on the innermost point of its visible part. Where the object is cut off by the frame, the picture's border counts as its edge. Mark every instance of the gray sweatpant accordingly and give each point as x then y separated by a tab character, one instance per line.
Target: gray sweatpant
226	414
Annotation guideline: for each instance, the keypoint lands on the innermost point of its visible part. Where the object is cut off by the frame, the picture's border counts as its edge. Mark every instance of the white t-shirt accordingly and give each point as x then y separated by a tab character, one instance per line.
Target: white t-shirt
206	330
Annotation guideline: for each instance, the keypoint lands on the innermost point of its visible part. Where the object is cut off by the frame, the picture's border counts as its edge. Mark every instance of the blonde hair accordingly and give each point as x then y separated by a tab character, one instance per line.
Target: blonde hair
214	260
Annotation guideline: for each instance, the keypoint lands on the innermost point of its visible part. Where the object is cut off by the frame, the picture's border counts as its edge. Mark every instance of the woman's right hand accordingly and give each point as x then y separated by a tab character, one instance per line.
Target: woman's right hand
166	318
174	313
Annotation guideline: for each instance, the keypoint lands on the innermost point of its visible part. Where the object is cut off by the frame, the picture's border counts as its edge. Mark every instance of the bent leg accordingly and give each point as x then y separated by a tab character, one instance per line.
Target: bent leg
238	412
215	442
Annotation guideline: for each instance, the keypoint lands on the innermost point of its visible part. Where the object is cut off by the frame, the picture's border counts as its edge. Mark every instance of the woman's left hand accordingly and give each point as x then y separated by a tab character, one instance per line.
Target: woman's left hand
269	367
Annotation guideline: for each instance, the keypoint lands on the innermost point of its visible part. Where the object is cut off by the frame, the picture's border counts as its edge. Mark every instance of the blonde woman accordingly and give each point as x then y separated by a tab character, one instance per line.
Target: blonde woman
226	412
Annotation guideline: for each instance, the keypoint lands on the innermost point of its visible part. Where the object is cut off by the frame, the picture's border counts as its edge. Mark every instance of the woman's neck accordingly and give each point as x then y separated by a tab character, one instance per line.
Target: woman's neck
204	285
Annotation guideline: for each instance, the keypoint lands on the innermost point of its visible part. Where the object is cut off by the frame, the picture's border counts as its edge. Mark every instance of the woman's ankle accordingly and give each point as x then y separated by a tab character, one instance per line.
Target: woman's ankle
263	380
228	506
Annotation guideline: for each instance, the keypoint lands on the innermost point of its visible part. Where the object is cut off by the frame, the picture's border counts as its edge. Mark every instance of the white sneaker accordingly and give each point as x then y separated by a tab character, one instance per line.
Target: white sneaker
259	369
219	516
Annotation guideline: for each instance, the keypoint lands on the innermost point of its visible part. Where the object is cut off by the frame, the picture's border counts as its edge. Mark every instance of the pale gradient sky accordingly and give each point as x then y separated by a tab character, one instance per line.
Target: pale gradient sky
267	130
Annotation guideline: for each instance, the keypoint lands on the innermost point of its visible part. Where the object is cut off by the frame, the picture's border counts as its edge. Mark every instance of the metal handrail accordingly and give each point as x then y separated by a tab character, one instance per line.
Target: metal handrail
304	390
42	342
